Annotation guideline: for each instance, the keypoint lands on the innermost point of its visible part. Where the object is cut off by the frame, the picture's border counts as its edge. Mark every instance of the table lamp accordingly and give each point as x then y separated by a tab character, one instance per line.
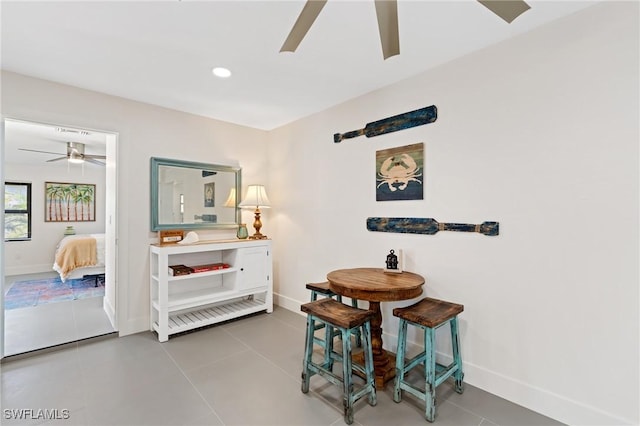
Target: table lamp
256	197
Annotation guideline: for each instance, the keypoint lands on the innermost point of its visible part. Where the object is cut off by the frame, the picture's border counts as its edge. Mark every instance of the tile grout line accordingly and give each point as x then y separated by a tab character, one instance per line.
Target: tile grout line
192	385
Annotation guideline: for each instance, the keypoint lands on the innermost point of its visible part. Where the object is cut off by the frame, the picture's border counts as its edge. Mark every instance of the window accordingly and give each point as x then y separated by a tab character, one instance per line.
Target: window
17	211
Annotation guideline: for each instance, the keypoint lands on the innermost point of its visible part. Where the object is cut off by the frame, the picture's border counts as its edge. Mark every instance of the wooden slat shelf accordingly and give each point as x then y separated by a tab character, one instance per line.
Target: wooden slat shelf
180	322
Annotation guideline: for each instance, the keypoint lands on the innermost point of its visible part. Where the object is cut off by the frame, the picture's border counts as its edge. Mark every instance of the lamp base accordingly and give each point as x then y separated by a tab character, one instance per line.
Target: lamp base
258	237
257	225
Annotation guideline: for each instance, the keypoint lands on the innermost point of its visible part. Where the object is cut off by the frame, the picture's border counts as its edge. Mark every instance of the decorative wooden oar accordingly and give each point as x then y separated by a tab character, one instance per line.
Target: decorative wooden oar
406	120
423	225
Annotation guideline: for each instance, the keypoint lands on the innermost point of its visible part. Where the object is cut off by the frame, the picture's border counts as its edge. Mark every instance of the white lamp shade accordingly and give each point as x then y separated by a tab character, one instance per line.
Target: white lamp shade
256	197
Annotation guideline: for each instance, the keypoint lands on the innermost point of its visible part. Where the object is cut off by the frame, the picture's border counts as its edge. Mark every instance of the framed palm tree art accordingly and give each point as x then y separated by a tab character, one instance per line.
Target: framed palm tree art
69	202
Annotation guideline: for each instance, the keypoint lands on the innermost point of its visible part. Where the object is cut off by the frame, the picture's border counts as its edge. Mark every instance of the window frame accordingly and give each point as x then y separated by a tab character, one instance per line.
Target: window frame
27	211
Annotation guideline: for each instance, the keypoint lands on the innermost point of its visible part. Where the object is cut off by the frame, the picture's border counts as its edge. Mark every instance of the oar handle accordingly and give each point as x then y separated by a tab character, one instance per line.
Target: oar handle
486	228
337	137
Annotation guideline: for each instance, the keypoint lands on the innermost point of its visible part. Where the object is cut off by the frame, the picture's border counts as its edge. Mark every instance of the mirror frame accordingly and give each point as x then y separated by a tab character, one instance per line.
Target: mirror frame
155	166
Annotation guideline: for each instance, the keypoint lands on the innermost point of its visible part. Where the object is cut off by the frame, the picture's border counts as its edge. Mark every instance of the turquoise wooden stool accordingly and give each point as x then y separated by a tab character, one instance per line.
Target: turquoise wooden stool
337	316
324	290
428	314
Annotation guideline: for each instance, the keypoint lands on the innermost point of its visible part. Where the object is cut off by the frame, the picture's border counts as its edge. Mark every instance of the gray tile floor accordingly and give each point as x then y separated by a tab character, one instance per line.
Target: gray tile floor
245	372
38	327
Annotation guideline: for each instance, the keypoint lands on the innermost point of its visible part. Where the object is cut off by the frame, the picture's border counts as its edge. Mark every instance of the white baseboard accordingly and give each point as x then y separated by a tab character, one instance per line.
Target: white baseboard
542	401
287	303
28	269
110	311
133	326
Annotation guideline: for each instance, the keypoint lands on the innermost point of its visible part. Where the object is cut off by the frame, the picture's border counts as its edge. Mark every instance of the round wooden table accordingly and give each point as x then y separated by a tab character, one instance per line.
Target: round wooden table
375	286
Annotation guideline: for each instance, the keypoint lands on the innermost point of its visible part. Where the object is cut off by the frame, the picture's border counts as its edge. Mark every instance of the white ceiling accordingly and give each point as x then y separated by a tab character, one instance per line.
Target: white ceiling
162	52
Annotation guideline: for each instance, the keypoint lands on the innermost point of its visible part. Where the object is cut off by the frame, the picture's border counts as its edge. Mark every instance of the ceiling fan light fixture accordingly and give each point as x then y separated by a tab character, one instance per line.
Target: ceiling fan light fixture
75	154
75	157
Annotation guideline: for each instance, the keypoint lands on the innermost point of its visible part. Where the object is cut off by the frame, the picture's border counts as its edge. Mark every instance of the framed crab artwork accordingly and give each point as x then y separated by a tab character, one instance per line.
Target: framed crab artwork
399	173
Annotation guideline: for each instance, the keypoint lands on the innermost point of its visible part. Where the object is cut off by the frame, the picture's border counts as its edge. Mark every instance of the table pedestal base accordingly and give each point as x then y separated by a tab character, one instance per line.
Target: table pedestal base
375	286
383	373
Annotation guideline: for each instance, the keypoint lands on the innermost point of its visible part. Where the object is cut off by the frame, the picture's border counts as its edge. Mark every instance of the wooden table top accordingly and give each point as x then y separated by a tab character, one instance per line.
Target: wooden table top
374	285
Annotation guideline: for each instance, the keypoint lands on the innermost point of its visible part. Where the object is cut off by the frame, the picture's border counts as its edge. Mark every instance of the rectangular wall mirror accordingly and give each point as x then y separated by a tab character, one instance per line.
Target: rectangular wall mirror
190	195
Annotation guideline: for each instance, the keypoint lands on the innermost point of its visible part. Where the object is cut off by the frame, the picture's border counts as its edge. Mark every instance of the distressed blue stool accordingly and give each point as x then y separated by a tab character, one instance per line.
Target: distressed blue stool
337	316
428	314
324	290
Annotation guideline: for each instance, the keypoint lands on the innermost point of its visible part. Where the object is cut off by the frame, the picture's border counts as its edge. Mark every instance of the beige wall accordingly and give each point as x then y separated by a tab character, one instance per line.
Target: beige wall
539	133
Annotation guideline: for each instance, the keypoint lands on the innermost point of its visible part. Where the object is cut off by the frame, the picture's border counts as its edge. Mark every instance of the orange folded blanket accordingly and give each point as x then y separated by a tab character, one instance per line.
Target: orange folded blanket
76	253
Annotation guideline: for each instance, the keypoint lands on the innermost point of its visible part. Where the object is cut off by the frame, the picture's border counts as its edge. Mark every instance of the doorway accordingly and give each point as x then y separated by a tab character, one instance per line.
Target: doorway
40	307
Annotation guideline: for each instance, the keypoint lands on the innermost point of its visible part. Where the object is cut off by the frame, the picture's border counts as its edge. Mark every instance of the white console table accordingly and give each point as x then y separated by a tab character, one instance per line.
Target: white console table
185	302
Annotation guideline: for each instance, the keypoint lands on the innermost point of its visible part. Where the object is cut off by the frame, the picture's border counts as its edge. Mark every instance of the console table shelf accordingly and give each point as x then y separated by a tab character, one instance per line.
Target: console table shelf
185	302
181	322
198	274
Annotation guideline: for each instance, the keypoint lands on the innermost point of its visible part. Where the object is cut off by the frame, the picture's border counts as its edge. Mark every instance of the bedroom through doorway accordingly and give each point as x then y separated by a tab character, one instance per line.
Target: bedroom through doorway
60	225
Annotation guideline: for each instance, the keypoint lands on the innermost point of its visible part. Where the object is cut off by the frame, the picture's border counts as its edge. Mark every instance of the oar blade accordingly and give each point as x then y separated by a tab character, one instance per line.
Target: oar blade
403	225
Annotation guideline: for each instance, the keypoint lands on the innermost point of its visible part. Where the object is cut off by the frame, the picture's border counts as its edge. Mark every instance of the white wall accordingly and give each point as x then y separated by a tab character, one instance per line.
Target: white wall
539	133
37	255
144	131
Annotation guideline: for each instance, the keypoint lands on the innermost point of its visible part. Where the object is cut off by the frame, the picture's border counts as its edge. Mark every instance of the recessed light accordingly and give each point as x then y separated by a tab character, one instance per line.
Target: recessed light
221	72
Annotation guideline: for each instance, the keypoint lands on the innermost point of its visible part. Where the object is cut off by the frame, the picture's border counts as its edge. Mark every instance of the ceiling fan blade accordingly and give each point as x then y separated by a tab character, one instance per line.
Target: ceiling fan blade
42	152
92	161
309	13
387	12
99	157
506	9
57	159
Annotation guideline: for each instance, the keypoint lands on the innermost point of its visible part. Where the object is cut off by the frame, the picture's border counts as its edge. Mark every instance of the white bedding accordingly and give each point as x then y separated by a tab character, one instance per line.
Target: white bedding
78	272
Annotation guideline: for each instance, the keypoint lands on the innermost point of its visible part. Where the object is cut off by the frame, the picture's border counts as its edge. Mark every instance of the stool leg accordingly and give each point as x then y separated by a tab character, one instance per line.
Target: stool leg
314	297
308	352
430	374
368	363
339	299
402	343
329	332
357	331
455	346
347	400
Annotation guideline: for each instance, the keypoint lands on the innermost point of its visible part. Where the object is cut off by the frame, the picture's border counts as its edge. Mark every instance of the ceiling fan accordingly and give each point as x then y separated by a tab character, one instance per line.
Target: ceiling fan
75	154
387	13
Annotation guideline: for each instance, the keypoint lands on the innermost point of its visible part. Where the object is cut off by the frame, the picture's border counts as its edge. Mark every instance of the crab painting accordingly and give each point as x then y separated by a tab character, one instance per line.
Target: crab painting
397	171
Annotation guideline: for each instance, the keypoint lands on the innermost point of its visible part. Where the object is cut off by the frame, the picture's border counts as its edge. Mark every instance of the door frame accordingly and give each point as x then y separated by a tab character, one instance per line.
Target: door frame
110	301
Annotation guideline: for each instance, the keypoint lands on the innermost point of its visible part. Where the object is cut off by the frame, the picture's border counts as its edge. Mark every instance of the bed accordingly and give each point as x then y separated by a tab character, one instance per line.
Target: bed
80	255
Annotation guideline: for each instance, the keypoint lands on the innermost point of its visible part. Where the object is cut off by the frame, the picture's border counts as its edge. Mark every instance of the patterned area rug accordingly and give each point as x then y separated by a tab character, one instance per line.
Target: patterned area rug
24	294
